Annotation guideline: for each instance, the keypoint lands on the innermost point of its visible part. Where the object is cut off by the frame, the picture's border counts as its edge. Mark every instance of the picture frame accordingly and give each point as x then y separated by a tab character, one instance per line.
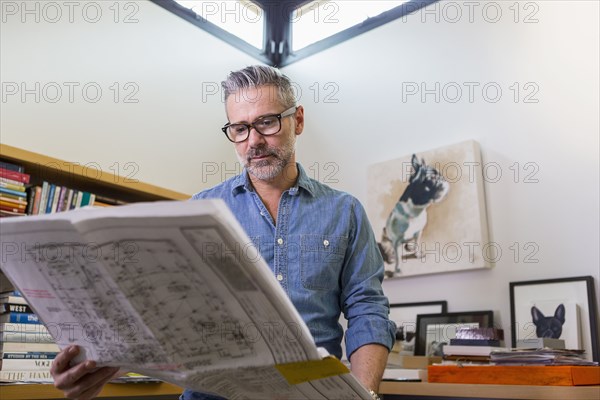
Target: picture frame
434	330
455	211
579	312
405	317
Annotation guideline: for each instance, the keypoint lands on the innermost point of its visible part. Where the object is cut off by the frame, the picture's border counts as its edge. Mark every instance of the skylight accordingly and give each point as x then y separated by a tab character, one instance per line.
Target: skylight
281	32
320	19
241	18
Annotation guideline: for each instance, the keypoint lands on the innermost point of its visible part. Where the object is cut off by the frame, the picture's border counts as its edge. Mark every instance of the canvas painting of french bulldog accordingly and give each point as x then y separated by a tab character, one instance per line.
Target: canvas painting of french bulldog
404	226
427	208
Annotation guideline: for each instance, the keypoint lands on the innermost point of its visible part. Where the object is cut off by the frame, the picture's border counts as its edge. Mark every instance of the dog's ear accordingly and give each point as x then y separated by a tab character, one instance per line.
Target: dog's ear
416	168
559	314
536	314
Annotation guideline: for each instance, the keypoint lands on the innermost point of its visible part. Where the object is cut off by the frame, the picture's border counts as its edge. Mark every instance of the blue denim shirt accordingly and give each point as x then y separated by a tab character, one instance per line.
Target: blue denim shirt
324	255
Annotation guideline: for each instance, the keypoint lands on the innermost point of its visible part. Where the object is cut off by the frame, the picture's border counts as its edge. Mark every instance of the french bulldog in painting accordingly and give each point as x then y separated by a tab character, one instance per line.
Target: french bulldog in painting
405	224
548	327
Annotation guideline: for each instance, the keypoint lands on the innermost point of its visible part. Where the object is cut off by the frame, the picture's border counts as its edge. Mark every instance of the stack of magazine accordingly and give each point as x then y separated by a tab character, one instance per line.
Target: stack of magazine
540	357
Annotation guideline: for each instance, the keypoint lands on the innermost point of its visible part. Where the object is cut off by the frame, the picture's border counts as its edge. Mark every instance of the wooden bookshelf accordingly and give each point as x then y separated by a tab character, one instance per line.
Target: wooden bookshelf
108	184
85	177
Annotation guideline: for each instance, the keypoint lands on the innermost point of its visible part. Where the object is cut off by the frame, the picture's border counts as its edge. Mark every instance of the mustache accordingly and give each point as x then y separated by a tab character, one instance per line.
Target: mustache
260	152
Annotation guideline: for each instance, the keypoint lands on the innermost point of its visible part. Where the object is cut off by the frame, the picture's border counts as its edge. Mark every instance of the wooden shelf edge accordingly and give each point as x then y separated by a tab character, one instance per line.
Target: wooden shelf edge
490	391
49	392
113	180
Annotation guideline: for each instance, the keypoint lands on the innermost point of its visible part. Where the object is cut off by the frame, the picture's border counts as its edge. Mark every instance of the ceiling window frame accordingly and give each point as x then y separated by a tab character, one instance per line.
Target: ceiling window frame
277	39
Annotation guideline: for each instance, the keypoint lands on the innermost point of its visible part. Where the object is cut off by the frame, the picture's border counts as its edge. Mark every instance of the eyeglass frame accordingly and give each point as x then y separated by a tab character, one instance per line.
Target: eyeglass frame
280	116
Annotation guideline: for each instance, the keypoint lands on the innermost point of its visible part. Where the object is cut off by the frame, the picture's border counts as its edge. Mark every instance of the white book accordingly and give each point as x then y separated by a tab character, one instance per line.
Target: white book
405	374
173	290
461	350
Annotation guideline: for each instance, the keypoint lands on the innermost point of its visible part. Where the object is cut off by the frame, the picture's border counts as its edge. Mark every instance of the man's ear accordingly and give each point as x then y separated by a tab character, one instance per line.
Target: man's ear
299	120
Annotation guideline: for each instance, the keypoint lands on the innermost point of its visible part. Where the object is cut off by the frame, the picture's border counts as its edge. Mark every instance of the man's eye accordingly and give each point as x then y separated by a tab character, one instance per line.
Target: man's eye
266	122
237	129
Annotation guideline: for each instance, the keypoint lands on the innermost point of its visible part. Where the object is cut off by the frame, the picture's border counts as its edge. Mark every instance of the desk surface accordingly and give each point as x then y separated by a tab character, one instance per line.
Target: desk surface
491	391
37	392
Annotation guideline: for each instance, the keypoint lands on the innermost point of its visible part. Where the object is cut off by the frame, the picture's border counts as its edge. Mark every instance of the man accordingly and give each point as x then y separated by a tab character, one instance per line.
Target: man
317	241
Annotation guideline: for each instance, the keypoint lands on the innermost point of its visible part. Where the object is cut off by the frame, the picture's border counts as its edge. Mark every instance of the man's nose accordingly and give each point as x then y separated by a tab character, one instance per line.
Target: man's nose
254	137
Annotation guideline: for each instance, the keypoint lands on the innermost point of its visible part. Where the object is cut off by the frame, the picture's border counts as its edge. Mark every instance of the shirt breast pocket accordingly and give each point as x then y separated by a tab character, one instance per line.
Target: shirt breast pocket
321	261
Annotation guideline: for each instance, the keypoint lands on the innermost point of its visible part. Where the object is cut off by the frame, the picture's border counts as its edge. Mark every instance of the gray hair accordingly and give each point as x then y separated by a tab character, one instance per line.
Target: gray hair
260	75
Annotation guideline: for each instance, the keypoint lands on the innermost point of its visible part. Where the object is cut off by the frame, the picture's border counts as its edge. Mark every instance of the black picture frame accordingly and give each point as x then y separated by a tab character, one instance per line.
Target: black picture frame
404	315
450	322
551	293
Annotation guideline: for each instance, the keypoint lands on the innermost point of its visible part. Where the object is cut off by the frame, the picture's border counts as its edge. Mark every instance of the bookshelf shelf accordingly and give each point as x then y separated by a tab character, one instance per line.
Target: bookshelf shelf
112	390
84	177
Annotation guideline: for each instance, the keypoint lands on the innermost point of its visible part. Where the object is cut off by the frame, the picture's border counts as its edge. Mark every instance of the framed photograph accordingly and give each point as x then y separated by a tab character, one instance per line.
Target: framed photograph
563	308
435	330
405	317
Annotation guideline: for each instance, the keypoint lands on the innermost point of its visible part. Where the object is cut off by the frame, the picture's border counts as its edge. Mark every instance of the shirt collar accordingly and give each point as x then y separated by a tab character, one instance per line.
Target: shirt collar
242	183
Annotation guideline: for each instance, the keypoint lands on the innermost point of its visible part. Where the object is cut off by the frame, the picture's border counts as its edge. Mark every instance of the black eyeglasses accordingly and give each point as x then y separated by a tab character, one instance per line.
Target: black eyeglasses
266	125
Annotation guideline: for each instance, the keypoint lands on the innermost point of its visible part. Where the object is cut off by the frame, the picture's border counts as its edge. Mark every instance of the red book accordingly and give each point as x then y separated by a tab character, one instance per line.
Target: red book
14	175
11	209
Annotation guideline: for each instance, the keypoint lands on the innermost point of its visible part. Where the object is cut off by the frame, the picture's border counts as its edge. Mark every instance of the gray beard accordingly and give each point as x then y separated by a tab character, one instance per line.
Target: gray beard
266	170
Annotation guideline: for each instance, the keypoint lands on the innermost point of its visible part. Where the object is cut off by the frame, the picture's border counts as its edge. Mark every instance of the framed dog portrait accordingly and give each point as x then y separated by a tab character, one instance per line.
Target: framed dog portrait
405	316
436	330
562	308
428	211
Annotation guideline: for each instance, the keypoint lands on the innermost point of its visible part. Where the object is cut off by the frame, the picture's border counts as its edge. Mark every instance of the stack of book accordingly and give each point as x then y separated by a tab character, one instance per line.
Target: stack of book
13	199
26	346
49	198
474	345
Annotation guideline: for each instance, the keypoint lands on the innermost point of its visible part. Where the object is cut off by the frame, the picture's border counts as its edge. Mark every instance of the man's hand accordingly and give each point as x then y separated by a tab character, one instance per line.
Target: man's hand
83	381
368	363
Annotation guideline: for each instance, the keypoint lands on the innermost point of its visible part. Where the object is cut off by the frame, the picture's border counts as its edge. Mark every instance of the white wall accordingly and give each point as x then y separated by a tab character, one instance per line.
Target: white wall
372	122
172	134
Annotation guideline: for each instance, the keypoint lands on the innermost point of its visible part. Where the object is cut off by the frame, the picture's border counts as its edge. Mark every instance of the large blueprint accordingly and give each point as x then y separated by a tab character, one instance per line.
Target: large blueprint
174	290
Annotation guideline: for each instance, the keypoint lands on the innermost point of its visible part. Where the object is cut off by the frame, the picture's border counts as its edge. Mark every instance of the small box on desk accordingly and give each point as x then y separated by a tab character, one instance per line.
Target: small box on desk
569	375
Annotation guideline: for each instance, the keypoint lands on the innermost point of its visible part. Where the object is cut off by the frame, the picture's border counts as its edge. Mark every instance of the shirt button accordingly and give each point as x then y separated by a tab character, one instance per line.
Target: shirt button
280	241
279	277
325	242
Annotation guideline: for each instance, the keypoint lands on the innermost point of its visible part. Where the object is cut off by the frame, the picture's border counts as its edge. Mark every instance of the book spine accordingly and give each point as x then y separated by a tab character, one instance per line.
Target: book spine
50	200
11	199
61	199
38	199
55	199
27	348
26	337
14	175
32	355
68	200
30	200
79	201
11	166
11	375
26	365
21	318
10	300
14	304
12	209
17	193
43	197
11	181
12	186
23	328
